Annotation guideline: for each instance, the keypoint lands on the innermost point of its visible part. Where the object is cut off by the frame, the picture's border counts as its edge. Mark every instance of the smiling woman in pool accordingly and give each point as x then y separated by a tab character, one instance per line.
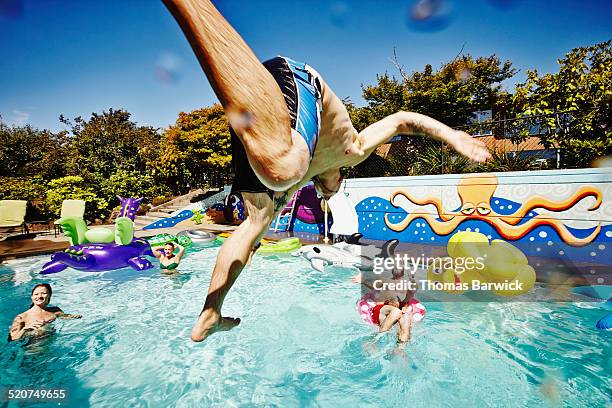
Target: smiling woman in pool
168	261
31	322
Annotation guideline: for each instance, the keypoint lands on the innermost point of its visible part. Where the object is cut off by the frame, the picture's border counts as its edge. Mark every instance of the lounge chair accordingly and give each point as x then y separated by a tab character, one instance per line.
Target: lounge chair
73	208
12	216
70	209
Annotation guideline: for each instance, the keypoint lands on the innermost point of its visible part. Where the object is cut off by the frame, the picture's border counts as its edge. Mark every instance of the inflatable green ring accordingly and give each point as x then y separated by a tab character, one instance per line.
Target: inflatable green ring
282	246
163	239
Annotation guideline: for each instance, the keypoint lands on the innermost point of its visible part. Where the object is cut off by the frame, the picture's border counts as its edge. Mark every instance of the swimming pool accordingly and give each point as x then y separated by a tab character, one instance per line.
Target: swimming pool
300	343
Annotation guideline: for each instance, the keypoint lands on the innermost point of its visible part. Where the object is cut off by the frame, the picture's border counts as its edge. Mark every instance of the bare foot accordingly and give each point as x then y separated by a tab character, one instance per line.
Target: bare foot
209	322
399	351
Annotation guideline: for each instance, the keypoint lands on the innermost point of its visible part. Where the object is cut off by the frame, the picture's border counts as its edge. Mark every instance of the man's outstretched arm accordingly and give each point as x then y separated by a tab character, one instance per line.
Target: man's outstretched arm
417	124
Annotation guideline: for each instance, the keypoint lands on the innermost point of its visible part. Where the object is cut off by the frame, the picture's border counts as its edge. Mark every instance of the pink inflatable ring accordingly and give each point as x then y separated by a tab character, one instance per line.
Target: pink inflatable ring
366	304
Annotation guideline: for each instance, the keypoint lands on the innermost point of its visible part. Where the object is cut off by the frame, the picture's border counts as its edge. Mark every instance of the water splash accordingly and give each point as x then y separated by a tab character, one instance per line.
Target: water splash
168	68
339	14
429	15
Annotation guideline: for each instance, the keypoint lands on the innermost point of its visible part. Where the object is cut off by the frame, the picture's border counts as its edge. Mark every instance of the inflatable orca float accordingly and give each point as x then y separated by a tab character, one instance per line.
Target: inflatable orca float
349	254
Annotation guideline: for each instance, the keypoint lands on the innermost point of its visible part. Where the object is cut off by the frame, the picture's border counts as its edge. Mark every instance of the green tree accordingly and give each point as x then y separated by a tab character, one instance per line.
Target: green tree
12	188
573	107
129	184
109	142
452	94
196	151
26	152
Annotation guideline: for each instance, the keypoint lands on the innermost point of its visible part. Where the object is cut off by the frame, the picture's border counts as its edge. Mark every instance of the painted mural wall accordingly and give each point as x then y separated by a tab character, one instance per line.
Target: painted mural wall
561	214
308	215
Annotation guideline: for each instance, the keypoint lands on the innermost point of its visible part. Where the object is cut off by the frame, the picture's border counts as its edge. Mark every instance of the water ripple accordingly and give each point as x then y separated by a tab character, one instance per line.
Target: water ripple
300	343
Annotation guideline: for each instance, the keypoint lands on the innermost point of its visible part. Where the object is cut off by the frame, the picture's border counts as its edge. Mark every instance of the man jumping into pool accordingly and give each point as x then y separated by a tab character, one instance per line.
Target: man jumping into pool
288	128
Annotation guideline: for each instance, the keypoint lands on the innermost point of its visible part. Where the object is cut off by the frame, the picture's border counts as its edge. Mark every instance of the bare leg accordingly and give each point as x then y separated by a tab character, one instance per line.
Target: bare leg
392	315
277	154
233	256
405	331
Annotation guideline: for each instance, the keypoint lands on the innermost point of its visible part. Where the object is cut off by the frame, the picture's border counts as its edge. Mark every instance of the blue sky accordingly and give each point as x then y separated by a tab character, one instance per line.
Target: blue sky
76	57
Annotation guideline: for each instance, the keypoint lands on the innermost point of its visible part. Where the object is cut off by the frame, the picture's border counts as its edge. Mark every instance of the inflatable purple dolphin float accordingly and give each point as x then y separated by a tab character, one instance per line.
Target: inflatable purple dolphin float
101	257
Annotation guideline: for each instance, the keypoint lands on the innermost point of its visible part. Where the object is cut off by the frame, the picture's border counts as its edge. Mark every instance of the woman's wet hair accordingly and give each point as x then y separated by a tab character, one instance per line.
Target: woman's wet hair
42	285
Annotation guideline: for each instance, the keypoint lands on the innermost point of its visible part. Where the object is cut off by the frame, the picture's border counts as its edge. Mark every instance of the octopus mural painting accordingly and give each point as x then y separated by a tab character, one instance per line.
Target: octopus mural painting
476	193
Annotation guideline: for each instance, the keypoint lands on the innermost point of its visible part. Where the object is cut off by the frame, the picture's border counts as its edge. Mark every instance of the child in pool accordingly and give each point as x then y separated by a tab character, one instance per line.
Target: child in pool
394	309
391	312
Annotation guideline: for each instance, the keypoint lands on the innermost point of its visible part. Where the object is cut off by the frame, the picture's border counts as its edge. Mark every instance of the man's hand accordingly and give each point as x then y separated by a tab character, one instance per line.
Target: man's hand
356	147
468	146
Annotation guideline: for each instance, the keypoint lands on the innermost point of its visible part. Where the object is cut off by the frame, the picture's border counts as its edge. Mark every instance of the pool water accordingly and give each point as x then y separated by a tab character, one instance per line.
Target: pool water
300	343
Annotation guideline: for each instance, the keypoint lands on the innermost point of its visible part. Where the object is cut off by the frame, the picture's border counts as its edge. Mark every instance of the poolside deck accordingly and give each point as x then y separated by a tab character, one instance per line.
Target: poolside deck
40	243
22	247
549	270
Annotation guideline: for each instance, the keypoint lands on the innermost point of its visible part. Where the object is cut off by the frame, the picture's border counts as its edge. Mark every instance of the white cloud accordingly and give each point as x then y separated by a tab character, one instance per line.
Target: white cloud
19	118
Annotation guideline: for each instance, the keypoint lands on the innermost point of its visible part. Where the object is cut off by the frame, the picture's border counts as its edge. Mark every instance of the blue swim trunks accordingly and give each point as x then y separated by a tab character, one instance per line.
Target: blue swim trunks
301	87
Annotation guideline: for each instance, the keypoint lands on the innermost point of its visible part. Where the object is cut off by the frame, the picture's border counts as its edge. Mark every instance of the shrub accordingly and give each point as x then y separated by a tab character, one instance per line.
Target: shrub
73	187
130	184
433	160
513	161
160	200
12	188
